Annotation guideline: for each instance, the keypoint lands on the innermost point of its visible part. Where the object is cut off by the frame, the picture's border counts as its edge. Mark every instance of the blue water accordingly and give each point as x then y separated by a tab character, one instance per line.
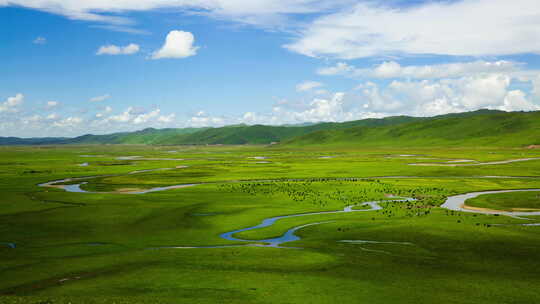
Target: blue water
289	236
10	245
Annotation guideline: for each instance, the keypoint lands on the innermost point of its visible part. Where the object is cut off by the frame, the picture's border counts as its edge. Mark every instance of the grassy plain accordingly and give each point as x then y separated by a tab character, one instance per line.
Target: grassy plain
111	248
517	201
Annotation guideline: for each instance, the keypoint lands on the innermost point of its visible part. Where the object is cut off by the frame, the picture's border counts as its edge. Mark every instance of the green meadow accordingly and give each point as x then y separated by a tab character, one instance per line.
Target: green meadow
110	245
508	201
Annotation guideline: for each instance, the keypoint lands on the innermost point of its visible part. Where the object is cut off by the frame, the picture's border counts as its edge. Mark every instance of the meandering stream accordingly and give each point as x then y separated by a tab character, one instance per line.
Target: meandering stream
289	236
455	203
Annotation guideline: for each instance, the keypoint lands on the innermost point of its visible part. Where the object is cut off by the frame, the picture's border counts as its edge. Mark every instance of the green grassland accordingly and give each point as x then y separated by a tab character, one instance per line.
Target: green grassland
113	248
465	130
507	201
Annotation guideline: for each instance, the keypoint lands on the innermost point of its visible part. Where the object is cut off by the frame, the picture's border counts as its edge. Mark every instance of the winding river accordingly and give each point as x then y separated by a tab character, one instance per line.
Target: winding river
455	203
289	236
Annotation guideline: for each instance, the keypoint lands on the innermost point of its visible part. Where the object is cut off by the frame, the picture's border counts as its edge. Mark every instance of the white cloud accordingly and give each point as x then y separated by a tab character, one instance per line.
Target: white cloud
143	118
100	98
485	91
337	107
68	122
261	12
27	122
346	28
52	104
166	118
434	97
536	86
427	97
392	69
324	109
516	101
105	111
308	86
134	117
12	103
459	28
111	49
341	68
32	119
125	116
201	119
40	40
53	116
178	44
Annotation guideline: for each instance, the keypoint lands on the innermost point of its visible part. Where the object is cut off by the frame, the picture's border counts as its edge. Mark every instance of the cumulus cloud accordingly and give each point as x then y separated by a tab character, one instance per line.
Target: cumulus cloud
466	91
178	44
308	86
111	49
324	109
100	98
338	106
52	104
134	116
536	86
458	28
202	119
40	40
12	103
68	122
435	97
125	116
166	118
435	89
392	69
516	101
143	118
28	122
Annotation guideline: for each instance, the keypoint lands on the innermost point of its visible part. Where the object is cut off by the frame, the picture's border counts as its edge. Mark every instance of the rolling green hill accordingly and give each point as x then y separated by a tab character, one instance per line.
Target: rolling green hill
232	135
483	127
260	134
480	128
149	136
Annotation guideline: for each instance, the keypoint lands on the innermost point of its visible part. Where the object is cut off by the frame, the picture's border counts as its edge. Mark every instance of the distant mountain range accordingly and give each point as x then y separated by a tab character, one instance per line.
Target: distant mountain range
483	127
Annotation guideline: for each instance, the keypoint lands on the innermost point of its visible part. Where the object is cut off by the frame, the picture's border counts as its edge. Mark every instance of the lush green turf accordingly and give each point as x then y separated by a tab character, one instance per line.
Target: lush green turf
491	129
507	201
105	248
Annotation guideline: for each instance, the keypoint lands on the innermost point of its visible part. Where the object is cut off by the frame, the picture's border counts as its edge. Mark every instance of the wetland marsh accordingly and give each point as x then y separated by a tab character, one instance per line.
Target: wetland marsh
143	224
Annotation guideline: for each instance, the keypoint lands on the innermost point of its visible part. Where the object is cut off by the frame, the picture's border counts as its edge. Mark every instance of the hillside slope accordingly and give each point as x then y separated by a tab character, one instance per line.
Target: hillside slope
485	128
231	135
147	136
260	134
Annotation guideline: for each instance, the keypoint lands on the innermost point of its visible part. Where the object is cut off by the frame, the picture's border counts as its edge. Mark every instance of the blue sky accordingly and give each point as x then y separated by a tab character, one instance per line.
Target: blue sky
70	68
